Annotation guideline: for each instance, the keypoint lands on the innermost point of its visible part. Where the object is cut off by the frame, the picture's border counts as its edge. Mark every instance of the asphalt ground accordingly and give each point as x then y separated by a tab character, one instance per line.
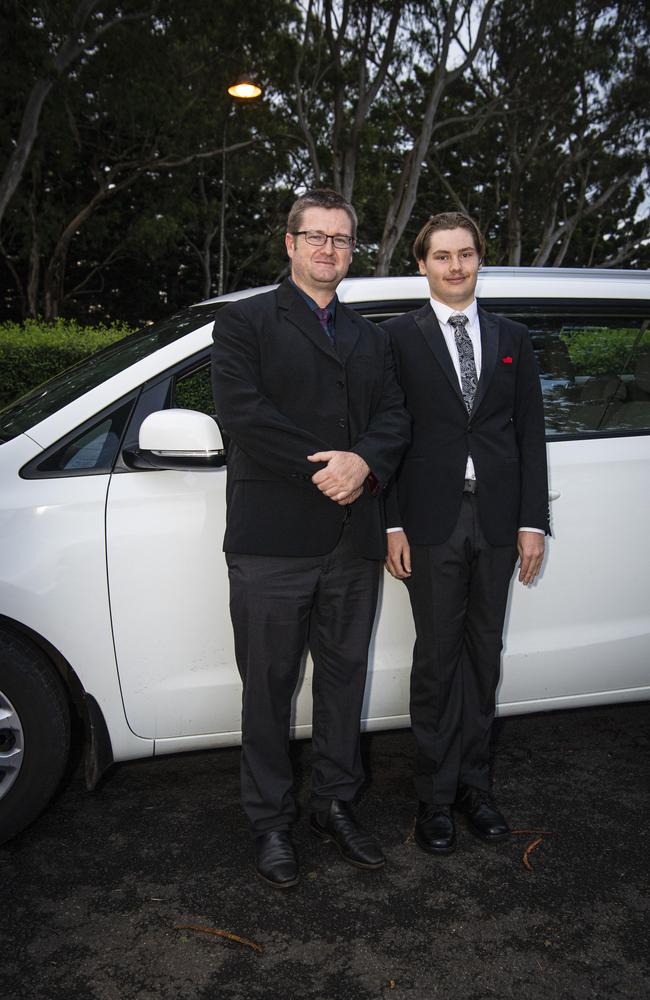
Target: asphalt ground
99	893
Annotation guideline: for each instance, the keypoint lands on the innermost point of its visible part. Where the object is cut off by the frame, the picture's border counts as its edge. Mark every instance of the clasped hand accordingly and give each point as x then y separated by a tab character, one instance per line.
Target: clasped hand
342	478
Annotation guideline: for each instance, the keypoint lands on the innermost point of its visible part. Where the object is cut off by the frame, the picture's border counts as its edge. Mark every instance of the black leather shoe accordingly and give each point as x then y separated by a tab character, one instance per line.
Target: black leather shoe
275	859
434	829
483	818
355	846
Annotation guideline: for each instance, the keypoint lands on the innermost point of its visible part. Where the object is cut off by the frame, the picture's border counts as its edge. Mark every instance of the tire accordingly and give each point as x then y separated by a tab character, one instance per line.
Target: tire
34	733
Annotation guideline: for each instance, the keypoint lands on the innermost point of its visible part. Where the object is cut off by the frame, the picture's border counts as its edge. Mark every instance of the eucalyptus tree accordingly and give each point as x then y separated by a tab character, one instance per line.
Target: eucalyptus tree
533	119
343	57
360	61
575	123
59	35
445	42
559	172
147	104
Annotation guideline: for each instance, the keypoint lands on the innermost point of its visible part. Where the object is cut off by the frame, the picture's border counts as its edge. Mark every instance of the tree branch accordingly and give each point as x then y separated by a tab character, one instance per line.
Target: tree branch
69	51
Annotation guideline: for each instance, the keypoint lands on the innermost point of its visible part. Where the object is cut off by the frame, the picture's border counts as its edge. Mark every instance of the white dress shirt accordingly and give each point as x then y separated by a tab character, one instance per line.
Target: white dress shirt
443	313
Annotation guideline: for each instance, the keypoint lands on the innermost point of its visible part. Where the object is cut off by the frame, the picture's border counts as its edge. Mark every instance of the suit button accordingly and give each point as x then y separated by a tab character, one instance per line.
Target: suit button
342	422
340	385
469	430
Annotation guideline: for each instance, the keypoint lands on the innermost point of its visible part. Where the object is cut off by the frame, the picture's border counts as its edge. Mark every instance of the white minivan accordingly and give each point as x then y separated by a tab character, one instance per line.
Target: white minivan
113	587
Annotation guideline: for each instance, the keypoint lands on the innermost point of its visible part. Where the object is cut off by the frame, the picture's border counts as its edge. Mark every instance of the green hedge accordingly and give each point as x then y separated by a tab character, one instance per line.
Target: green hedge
33	351
599	350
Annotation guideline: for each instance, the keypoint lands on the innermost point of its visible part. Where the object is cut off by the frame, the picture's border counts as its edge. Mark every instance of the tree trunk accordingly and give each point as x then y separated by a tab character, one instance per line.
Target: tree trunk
401	207
514	220
69	51
28	131
34	261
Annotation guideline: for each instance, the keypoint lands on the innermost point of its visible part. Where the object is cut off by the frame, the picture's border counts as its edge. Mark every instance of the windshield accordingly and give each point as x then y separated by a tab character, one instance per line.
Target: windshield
95	369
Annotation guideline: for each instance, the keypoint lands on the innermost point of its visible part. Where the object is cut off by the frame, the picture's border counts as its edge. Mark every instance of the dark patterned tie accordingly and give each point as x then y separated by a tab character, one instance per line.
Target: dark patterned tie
325	317
465	350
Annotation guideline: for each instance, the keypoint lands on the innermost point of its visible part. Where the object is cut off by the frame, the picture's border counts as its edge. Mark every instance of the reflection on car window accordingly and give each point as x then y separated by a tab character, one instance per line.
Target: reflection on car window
92	371
595	372
91	450
193	391
594	369
88	451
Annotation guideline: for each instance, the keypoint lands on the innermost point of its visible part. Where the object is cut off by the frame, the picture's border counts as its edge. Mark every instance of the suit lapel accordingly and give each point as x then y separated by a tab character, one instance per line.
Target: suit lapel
303	319
347	333
430	329
489	325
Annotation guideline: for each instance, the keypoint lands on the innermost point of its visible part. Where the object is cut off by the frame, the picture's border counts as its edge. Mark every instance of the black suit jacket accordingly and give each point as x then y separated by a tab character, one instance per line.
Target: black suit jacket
504	434
282	392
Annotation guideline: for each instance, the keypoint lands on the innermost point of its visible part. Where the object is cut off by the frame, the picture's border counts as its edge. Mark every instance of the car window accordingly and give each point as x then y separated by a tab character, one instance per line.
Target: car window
193	390
594	371
89	450
594	361
92	371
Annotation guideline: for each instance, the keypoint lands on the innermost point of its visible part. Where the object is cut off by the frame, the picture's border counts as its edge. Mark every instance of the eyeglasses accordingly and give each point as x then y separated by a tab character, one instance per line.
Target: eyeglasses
316	239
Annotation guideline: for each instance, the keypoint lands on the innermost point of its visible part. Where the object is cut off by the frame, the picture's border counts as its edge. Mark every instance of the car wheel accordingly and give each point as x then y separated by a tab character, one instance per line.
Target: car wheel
34	733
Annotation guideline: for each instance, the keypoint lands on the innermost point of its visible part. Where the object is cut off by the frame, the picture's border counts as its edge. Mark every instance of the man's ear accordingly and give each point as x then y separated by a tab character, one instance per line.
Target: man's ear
421	267
288	242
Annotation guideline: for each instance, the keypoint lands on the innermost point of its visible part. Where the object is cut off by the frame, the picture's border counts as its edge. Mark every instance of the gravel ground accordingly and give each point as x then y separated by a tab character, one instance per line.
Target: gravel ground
100	892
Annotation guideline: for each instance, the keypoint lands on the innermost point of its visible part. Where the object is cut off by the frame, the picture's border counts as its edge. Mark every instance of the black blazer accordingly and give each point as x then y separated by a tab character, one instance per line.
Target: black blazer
504	434
282	392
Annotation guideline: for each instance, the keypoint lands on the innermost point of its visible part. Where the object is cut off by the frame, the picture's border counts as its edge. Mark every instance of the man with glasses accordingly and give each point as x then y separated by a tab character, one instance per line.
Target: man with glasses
471	494
305	389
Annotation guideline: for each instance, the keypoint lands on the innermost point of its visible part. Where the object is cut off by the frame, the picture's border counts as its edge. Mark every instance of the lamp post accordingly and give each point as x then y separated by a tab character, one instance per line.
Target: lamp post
244	89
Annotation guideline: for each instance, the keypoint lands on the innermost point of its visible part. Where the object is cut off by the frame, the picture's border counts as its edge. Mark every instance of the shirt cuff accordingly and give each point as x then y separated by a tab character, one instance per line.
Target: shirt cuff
537	531
388	530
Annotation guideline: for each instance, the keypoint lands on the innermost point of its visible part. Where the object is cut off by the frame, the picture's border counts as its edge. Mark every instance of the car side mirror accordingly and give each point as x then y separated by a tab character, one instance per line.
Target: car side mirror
177	439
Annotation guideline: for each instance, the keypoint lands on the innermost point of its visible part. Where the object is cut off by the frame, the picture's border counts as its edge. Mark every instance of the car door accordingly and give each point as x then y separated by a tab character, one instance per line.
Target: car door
169	589
581	632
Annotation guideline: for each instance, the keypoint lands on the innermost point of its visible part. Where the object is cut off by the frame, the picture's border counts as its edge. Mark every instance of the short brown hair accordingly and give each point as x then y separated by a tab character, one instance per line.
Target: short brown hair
447	220
319	198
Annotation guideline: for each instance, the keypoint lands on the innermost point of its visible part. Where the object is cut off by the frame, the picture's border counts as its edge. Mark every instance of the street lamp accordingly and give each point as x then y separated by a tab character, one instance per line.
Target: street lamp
244	89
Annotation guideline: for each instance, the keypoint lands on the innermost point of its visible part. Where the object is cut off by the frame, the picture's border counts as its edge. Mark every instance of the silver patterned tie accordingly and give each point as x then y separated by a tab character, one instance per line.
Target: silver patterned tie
468	378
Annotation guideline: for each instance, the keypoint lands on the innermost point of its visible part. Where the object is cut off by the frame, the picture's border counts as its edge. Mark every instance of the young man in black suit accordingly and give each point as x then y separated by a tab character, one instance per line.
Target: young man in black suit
306	391
470	495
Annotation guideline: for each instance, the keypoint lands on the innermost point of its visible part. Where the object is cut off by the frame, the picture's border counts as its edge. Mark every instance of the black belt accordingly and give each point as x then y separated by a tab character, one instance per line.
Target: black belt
471	486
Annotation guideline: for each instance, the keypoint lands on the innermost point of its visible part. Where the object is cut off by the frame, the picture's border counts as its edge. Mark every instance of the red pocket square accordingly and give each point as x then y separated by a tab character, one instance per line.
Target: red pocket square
507	360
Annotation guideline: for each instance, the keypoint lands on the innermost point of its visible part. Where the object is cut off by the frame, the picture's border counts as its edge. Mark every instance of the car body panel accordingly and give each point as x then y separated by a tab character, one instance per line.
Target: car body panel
508	283
584	626
176	656
59	591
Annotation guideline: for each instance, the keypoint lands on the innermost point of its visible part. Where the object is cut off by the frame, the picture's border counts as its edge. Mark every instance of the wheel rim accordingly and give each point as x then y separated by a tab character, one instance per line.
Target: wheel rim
12	745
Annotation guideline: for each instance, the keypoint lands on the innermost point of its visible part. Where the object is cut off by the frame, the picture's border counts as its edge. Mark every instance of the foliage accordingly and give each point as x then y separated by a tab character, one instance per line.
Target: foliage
532	118
603	350
33	351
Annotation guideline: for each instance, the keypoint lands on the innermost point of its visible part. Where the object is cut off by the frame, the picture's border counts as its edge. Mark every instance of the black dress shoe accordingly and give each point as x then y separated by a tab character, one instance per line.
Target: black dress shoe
275	859
434	829
355	846
483	818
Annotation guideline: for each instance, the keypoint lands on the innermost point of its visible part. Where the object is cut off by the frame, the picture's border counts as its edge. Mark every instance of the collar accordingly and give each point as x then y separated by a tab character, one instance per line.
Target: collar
443	312
331	305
